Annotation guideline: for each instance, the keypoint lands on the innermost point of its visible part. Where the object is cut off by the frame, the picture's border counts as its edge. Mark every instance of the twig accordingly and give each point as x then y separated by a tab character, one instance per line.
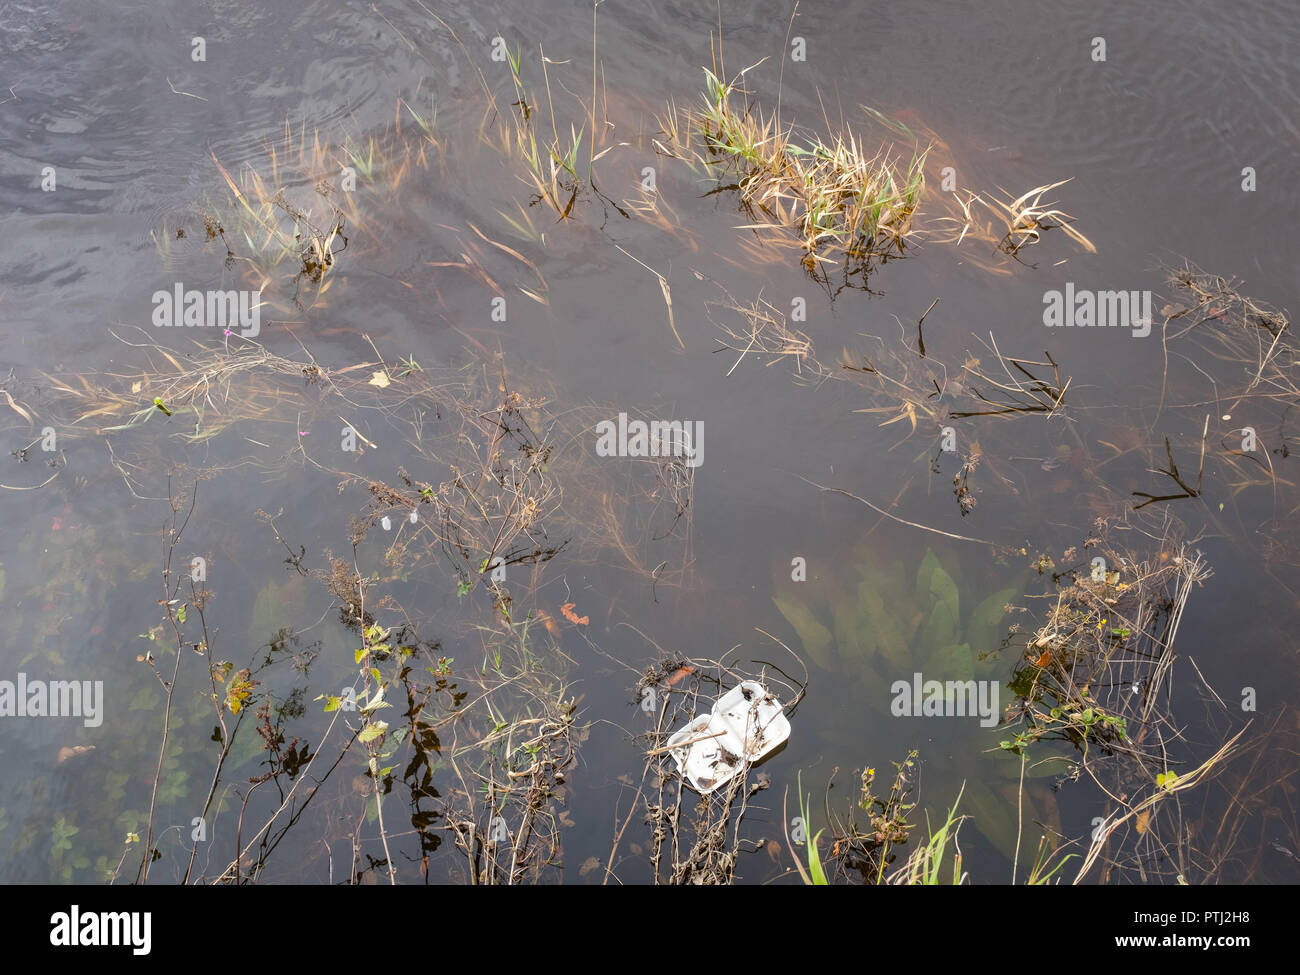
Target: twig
684	744
177	91
893	517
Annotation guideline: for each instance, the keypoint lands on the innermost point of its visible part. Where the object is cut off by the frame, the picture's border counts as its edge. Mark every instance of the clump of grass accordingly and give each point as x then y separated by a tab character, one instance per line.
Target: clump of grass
815	875
552	168
862	848
832	195
273	220
1027	218
925	865
837	200
860	852
552	164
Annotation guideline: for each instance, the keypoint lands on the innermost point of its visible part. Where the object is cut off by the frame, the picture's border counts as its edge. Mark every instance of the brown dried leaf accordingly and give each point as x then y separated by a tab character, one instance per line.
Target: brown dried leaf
72	751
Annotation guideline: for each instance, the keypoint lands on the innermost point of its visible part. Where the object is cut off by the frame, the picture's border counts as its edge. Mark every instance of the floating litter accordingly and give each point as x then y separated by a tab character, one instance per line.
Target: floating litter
744	726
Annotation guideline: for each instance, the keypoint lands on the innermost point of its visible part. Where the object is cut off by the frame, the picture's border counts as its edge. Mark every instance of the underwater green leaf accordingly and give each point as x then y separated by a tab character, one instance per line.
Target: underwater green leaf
174	787
1037	805
1045	767
852	642
940	628
116	784
245	745
955	663
924	573
62	832
935	588
145	699
272	609
890	581
889	632
993	817
985	629
815	637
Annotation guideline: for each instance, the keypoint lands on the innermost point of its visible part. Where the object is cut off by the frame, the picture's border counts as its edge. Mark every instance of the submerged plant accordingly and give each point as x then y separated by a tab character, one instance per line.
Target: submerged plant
878	626
873	616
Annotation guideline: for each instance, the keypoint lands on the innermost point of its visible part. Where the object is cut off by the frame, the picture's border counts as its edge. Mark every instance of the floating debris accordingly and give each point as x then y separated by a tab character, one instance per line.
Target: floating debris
745	725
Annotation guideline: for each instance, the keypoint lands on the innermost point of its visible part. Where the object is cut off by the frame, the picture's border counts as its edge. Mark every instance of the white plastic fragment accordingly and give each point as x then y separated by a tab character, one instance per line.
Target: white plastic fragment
745	725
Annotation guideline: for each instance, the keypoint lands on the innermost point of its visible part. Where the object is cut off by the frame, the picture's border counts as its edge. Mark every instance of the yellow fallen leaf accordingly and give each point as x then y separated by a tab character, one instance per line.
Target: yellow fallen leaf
1142	818
379	379
137	386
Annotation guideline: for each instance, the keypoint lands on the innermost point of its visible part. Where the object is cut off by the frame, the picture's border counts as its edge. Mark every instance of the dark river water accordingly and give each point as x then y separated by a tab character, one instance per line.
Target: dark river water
124	127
